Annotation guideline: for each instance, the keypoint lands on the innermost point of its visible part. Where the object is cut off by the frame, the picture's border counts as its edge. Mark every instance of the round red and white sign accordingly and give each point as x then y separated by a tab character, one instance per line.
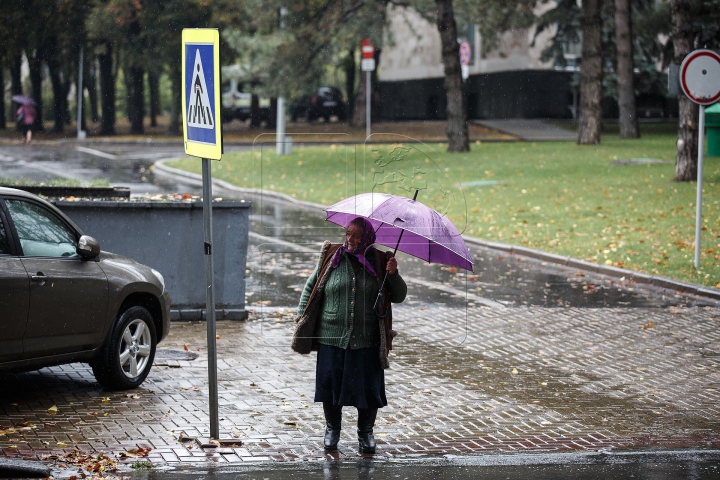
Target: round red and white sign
367	49
700	77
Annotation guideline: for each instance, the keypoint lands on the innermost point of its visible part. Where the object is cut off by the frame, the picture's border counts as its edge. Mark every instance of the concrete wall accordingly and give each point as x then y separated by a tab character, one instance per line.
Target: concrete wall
169	238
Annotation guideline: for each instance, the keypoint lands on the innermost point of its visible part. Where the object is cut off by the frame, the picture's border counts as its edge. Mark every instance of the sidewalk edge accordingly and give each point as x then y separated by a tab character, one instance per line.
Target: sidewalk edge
637	277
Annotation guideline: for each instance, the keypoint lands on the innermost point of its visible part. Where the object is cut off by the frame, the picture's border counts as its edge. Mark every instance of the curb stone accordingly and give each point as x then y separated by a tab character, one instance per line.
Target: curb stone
12	468
639	277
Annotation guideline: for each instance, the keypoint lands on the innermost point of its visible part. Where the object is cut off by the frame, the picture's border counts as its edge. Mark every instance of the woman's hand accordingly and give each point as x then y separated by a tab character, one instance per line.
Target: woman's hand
392	266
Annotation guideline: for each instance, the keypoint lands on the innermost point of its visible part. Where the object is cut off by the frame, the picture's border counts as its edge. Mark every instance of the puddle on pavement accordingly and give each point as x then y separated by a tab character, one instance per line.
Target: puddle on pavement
277	270
658	467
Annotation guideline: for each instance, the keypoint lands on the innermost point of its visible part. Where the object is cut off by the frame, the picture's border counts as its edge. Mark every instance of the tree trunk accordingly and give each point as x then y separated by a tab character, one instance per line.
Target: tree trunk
457	129
3	120
625	82
254	111
590	114
92	90
174	126
272	121
136	110
15	73
107	90
35	64
687	144
57	87
359	118
350	68
375	93
154	85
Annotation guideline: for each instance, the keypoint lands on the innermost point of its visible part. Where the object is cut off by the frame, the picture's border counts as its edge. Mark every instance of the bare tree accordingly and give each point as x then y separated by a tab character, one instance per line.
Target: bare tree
625	82
590	115
687	144
457	129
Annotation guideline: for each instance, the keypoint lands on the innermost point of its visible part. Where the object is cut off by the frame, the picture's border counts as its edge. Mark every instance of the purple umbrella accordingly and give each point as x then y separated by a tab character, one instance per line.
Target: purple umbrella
406	225
23	100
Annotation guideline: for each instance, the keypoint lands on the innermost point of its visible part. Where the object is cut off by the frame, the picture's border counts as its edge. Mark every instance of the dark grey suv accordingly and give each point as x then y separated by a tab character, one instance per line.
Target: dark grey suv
64	300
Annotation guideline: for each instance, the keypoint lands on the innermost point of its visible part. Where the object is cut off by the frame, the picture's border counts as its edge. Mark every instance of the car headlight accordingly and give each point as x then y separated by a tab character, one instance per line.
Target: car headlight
160	278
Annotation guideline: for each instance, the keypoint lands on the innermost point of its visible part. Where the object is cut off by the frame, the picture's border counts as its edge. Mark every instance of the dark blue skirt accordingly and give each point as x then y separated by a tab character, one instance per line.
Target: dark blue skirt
350	378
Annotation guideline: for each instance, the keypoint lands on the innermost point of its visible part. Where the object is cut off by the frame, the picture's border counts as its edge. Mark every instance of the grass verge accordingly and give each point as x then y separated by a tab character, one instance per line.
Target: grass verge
587	202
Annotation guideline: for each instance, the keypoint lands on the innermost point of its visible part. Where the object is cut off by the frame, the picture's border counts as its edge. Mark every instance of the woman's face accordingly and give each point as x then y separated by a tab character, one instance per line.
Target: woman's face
353	236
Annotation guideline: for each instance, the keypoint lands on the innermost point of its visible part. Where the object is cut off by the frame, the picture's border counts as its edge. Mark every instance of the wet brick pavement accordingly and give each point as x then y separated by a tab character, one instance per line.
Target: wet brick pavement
461	382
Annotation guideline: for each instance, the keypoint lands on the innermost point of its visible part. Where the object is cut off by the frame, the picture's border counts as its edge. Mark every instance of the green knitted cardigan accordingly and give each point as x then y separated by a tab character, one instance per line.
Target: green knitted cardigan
342	315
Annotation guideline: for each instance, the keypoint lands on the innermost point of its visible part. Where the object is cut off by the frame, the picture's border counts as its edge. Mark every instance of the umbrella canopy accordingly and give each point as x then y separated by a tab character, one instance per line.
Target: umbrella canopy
427	234
22	99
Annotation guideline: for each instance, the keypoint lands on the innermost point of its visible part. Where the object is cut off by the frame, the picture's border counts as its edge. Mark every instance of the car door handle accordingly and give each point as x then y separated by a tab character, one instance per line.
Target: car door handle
39	278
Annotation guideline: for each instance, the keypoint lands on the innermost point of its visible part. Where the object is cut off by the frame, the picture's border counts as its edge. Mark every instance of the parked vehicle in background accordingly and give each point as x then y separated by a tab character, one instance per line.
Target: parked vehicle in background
328	101
63	300
236	104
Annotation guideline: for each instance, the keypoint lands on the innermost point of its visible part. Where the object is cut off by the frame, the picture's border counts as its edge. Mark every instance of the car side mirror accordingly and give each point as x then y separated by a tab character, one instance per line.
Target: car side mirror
88	247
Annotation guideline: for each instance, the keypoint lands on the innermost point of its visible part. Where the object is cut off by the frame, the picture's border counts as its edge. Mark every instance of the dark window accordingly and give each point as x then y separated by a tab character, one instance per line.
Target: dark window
4	244
40	232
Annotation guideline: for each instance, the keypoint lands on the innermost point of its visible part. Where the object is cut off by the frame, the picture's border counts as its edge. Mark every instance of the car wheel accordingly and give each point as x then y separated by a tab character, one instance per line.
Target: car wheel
129	352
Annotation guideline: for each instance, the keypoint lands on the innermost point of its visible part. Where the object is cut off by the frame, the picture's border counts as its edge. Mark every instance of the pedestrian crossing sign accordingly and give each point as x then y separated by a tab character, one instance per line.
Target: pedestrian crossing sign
202	126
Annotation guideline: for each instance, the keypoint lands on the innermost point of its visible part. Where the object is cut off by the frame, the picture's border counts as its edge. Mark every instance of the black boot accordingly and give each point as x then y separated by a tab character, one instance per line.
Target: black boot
333	420
366	421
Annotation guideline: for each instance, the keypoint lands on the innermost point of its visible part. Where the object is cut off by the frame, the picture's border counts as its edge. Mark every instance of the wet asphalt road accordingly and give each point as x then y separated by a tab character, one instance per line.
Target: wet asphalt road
288	236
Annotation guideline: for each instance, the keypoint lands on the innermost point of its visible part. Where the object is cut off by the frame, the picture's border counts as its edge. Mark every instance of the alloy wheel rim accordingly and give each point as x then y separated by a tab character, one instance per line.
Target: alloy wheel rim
135	348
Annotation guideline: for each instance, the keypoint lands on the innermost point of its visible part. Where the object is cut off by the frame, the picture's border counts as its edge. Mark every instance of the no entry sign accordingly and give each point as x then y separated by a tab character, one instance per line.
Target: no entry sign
700	77
367	48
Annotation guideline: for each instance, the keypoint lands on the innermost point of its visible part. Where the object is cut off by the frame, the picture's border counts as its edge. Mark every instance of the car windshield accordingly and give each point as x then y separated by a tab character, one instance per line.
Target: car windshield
41	233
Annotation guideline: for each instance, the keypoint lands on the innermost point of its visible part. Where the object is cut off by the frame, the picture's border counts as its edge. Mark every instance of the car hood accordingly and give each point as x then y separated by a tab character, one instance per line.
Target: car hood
131	270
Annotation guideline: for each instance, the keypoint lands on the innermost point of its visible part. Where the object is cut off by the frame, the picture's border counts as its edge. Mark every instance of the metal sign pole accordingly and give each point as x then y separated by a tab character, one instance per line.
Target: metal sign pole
280	135
698	201
210	299
367	104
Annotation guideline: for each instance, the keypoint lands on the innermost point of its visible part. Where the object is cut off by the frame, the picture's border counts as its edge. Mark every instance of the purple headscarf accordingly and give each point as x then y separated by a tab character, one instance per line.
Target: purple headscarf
368	238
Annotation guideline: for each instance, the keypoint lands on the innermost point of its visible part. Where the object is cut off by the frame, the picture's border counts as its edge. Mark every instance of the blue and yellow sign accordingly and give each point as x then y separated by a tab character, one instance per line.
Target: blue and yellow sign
202	126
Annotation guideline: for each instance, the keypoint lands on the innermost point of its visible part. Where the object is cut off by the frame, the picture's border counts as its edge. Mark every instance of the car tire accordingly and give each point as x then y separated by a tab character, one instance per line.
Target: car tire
129	352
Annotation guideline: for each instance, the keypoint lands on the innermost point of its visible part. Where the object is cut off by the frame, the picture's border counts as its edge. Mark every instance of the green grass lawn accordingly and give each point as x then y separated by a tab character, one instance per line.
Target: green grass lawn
553	196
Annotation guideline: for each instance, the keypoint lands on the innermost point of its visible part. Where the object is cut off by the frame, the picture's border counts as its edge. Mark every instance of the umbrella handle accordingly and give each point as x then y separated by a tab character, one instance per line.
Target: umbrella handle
377	308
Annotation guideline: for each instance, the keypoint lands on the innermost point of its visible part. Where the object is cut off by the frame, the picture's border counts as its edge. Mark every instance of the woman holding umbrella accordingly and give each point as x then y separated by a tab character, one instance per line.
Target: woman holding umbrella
25	116
336	318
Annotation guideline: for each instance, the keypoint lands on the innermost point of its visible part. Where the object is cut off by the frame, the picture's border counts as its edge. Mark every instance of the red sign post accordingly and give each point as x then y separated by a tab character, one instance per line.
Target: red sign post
367	64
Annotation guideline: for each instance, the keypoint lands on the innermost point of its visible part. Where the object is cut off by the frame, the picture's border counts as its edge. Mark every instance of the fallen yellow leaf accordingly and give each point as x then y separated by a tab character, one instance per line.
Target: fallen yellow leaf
61	444
53	409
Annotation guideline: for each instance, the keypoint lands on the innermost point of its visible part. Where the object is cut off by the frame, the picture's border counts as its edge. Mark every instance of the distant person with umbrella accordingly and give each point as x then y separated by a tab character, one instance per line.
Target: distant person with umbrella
25	116
338	319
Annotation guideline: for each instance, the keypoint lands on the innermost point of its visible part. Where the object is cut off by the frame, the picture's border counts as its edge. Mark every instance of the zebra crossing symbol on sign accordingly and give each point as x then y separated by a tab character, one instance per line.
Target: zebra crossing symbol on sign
199	113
